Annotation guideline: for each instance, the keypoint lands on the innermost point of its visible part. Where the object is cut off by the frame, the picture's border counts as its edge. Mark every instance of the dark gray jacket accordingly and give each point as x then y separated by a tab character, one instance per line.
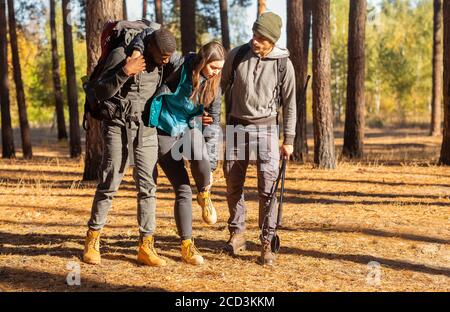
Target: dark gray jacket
129	94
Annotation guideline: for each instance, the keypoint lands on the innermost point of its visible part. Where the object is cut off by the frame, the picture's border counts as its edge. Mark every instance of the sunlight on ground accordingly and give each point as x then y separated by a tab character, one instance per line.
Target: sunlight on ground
392	208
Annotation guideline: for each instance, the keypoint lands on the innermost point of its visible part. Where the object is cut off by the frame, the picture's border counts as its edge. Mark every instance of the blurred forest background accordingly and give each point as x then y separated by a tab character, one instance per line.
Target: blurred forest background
399	37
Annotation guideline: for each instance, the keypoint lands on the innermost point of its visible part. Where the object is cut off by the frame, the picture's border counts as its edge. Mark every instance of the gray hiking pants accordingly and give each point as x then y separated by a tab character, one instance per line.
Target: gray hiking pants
259	143
115	162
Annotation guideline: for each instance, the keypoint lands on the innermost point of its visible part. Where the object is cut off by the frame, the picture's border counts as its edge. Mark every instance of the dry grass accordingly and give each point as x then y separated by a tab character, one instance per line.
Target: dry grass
392	208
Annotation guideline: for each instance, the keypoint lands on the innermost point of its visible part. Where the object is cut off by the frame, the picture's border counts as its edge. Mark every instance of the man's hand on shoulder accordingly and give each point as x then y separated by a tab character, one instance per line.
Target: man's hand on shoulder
134	66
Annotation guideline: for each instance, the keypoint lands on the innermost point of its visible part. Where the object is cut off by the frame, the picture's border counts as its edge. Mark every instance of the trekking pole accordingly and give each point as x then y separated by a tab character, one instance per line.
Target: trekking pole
275	243
306	84
280	206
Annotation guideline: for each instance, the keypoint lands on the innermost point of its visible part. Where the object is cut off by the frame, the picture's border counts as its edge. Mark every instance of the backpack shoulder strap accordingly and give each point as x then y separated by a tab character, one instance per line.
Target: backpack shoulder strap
243	50
282	69
281	75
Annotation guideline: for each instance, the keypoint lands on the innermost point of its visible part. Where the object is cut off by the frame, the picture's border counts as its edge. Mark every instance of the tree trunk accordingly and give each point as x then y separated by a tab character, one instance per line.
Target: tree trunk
355	109
125	11
324	151
445	149
20	94
436	100
144	9
262	6
224	24
59	105
159	12
8	150
98	12
187	23
72	92
298	33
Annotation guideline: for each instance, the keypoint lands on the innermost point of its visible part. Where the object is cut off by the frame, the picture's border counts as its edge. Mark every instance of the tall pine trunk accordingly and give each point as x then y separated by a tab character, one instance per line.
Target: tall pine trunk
445	149
20	94
59	104
224	24
159	12
324	150
144	9
97	13
436	100
298	29
8	150
262	7
72	92
125	10
355	109
188	29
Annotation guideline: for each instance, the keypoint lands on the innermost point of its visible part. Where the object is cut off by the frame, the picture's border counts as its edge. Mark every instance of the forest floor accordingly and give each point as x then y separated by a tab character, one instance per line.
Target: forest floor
380	224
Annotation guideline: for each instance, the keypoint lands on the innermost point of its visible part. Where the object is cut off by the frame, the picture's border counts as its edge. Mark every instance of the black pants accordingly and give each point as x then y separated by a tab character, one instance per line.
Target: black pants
172	150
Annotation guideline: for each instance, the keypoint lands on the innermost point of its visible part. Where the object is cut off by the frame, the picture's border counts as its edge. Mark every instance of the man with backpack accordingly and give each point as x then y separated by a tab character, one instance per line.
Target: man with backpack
258	79
123	88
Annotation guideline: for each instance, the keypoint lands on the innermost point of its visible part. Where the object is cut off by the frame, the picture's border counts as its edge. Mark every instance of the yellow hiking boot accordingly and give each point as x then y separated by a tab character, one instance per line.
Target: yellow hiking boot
209	214
147	254
190	253
91	252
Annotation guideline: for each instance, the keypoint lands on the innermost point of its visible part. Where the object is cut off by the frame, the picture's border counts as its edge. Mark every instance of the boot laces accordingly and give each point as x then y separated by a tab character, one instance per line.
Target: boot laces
151	246
93	242
193	249
208	204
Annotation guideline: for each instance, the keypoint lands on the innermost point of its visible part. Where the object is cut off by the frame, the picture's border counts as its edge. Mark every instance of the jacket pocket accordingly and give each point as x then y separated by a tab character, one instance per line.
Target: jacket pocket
108	110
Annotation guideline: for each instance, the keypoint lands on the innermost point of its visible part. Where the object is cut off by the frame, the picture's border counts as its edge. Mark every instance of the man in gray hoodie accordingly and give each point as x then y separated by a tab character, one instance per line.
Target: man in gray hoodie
259	81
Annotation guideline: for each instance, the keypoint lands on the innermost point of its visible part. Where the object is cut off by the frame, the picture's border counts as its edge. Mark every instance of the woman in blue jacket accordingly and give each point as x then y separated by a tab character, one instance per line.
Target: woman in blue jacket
189	98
